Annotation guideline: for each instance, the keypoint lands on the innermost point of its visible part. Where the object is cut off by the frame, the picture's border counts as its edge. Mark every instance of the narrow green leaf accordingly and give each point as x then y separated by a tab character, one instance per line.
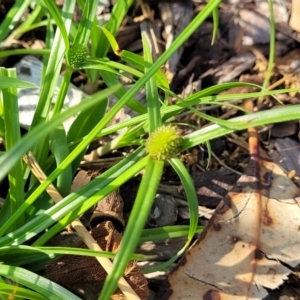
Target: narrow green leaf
57	16
138	217
38	283
275	115
58	106
190	192
24	52
111	79
166	232
24	251
2	127
12	17
118	13
272	46
8	160
91	197
12	137
31	22
54	64
140	64
153	104
189	188
173	110
60	150
72	201
215	15
16	291
10	82
82	125
112	41
86	23
107	65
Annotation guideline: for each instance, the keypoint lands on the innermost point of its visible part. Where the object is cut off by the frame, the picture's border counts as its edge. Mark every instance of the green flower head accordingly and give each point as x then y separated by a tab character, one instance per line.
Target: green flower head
164	143
77	55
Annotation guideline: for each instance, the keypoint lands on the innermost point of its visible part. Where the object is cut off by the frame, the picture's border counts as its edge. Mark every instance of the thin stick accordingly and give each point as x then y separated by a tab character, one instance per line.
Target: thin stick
80	228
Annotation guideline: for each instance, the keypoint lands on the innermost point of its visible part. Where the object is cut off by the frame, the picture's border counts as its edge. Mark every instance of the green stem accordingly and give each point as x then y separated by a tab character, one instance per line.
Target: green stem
138	217
272	49
12	135
62	92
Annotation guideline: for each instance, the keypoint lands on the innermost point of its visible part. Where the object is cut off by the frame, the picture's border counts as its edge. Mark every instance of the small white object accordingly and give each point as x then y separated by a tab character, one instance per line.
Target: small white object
30	69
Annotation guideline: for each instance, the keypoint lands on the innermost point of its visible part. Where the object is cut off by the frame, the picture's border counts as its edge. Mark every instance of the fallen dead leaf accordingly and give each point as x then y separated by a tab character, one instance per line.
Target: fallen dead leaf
252	232
295	14
83	275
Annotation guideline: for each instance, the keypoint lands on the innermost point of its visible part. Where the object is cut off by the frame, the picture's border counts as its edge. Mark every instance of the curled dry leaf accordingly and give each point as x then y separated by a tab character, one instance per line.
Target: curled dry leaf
253	230
84	275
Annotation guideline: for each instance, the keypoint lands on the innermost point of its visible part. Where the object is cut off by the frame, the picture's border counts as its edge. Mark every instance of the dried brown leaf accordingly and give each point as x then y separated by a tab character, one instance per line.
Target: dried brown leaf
294	20
253	230
84	275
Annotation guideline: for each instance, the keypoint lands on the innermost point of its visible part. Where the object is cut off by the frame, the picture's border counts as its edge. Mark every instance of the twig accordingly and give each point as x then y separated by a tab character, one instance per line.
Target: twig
224	165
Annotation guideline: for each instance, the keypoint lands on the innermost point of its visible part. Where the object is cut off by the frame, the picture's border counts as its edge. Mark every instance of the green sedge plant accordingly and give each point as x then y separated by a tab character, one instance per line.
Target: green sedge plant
28	218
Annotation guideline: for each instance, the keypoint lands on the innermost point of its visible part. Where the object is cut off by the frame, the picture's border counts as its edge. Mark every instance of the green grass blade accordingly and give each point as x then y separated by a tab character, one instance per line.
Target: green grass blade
12	17
191	195
86	23
40	24
16	291
95	41
138	217
189	188
60	17
118	13
25	251
111	79
215	15
79	198
218	121
38	283
2	128
24	52
272	47
86	202
62	92
172	110
107	65
10	82
8	160
29	24
82	125
54	64
53	67
50	34
60	150
112	40
153	104
12	137
166	232
275	115
138	62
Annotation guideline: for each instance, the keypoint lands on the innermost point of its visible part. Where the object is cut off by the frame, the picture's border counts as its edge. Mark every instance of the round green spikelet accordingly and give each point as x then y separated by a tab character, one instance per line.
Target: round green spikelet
164	143
77	55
